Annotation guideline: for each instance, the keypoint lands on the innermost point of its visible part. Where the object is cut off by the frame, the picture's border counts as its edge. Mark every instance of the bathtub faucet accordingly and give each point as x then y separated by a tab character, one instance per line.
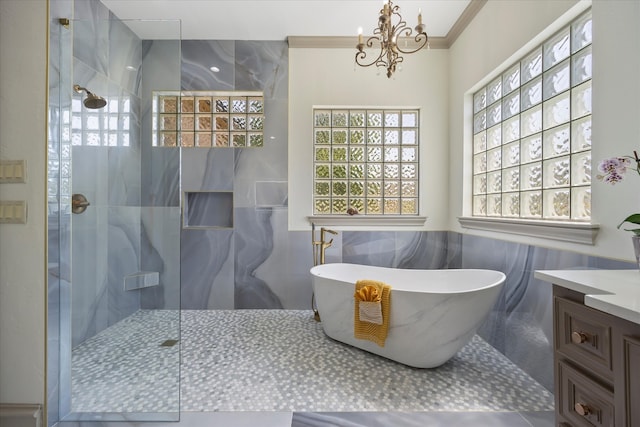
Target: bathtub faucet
319	246
322	244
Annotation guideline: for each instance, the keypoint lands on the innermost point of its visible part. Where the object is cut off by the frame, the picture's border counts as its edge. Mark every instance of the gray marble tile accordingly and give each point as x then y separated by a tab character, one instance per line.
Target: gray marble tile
272	194
454	250
369	247
207	169
268	163
123	258
91	34
160	176
254	243
124	176
398	249
160	169
125	56
197	58
291	253
160	251
263	66
207	269
423	250
520	325
540	419
90	173
408	419
523	309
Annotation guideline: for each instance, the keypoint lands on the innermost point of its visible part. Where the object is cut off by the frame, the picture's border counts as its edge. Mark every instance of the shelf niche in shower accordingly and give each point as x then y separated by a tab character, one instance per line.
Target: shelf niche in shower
208	209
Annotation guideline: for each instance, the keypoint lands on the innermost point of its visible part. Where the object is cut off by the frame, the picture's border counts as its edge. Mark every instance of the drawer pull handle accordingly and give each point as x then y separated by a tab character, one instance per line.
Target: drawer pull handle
579	337
582	409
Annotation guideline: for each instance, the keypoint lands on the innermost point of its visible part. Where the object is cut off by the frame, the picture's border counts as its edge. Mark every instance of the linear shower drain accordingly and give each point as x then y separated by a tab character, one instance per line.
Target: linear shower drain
169	343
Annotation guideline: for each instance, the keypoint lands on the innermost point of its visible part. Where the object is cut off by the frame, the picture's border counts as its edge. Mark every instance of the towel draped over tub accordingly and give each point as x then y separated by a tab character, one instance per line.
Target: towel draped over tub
371	311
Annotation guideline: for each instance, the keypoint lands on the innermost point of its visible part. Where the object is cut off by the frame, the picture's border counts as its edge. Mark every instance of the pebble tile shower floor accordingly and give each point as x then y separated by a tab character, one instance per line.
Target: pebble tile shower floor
280	360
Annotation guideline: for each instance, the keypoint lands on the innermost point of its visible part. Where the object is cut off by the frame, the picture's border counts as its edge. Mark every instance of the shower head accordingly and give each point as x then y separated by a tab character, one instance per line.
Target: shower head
92	100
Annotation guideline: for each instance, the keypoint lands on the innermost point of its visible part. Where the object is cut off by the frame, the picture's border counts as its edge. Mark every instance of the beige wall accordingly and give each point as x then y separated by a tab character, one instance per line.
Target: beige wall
23	65
329	77
497	33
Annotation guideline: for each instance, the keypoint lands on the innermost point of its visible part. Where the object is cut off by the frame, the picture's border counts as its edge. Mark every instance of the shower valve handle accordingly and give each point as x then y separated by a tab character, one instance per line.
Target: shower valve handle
79	203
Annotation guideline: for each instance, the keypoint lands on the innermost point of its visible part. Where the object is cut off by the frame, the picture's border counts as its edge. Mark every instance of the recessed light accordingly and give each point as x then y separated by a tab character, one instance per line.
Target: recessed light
214	69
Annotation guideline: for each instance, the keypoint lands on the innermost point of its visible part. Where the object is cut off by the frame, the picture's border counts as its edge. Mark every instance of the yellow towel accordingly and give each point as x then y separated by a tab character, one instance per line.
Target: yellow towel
372	290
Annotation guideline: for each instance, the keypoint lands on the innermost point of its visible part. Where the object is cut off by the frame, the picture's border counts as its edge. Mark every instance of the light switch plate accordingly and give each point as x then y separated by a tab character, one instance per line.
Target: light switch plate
12	171
13	212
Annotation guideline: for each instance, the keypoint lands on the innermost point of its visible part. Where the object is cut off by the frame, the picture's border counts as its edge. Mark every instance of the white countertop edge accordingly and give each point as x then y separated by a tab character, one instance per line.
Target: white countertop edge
616	292
611	304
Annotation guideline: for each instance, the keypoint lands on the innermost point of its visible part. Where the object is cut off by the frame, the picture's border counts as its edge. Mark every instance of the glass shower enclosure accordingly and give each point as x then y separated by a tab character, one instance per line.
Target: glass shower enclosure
113	321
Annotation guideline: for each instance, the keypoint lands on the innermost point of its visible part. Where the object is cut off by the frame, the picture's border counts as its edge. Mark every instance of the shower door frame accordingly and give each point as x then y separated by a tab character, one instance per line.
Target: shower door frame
60	230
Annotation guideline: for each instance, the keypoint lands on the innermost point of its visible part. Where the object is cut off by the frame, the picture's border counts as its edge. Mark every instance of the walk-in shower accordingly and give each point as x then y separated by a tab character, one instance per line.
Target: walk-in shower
114	271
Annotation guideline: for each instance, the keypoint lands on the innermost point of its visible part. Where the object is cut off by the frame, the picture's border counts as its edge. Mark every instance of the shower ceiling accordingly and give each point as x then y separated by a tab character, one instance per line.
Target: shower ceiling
277	19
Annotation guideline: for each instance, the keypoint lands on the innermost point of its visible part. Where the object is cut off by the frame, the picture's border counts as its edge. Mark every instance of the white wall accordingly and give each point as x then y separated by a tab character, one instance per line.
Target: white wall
327	77
23	65
502	28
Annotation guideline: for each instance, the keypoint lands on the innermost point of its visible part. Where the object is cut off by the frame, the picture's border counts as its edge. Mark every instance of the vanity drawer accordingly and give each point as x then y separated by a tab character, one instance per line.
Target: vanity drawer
583	402
583	335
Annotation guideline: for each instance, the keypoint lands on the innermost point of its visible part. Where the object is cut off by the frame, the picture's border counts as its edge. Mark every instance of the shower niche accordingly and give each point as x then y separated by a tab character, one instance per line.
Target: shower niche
208	209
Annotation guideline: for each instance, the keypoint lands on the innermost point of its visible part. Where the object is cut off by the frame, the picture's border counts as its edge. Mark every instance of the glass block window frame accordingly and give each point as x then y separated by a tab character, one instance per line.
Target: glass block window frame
532	133
366	159
208	119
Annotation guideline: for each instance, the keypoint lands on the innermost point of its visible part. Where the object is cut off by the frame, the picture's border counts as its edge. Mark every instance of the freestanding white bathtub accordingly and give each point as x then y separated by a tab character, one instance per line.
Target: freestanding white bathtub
434	313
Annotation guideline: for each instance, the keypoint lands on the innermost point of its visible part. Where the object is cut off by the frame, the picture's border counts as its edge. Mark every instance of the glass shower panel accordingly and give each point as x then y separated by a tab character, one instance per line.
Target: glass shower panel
120	197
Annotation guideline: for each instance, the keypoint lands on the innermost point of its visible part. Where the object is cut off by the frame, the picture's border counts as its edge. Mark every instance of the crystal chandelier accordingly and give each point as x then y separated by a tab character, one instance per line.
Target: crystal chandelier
387	34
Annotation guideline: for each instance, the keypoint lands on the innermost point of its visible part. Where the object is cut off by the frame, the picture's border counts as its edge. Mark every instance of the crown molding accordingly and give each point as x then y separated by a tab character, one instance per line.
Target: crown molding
464	20
350	42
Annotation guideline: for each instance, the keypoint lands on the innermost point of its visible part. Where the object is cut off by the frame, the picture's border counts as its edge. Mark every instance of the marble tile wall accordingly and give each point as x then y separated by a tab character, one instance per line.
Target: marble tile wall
105	165
240	266
520	326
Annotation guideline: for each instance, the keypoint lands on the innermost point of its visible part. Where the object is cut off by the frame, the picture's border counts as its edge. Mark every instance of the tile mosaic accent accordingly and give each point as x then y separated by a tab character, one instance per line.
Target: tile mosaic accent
125	369
281	360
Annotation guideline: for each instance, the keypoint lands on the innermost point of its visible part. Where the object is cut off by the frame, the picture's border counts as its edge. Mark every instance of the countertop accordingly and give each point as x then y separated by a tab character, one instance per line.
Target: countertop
616	292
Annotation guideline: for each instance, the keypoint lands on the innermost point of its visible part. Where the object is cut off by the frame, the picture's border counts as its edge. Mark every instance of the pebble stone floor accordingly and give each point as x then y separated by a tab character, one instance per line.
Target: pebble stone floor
279	360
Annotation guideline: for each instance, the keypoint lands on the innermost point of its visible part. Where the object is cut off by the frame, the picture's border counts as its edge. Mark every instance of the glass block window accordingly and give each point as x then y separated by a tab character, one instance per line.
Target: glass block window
208	119
365	159
109	126
532	133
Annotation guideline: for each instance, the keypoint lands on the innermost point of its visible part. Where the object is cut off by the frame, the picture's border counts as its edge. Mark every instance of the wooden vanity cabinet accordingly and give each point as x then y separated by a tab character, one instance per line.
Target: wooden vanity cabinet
597	365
